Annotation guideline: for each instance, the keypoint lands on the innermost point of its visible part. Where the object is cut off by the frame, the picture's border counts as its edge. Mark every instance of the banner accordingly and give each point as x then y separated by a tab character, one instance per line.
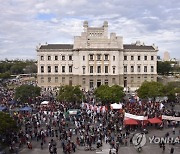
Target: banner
132	116
164	117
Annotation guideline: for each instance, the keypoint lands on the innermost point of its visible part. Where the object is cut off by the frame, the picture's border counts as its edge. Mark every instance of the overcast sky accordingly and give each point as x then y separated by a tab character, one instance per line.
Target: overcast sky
26	23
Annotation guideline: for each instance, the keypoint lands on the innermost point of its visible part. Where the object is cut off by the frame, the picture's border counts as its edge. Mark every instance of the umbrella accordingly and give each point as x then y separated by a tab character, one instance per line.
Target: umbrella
45	103
2	108
130	122
73	112
12	102
26	109
132	100
116	106
155	120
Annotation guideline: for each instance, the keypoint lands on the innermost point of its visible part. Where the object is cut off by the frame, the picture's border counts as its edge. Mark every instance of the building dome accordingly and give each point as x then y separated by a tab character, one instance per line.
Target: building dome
85	24
105	24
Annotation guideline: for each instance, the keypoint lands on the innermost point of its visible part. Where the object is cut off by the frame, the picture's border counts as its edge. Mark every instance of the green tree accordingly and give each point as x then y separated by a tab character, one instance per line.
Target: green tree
17	69
150	90
171	89
117	93
18	66
5	76
108	94
26	92
163	68
7	124
103	93
31	68
70	94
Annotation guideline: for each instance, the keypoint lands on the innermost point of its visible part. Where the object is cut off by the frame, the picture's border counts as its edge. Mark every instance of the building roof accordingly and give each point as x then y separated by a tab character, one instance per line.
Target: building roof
70	46
57	46
133	46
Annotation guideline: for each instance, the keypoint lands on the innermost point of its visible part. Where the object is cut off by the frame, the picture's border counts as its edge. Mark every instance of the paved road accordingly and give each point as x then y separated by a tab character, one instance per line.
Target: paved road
147	149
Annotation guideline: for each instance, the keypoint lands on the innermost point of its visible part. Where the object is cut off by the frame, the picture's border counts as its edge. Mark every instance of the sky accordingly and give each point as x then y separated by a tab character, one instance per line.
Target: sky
27	23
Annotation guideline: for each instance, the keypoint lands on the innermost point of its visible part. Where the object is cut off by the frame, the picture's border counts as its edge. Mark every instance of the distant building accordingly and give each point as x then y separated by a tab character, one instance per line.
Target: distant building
166	56
95	59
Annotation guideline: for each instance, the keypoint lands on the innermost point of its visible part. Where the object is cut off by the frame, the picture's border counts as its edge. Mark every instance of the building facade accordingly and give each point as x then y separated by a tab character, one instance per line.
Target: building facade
95	59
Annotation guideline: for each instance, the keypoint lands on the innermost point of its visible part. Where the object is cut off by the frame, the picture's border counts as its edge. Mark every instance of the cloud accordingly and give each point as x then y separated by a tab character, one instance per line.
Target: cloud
26	24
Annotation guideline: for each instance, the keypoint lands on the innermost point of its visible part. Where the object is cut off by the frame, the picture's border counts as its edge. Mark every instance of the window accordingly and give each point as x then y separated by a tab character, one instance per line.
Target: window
132	57
91	69
49	69
70	81
56	69
84	81
70	69
139	69
152	57
98	57
70	57
106	69
114	58
42	79
106	81
99	69
49	79
132	68
145	68
145	57
106	57
132	79
84	70
125	69
63	69
113	80
114	70
91	83
42	69
83	58
139	57
56	57
63	80
91	57
42	57
56	79
152	68
63	57
125	57
49	57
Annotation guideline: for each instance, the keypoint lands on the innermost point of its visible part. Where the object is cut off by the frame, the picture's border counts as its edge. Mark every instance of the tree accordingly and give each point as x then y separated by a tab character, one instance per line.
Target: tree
7	126
4	76
171	89
117	93
26	92
163	68
70	94
150	90
103	93
31	68
109	94
16	69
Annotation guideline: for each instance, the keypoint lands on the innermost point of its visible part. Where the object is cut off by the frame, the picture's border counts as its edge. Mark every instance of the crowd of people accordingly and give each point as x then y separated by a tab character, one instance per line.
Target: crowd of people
88	130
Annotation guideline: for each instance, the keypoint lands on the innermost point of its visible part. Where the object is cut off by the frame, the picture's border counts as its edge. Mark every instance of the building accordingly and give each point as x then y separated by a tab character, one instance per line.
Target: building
95	59
166	56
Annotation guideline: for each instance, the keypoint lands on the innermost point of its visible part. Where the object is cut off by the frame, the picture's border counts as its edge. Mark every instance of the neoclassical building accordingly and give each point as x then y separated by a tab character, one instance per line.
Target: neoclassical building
94	59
